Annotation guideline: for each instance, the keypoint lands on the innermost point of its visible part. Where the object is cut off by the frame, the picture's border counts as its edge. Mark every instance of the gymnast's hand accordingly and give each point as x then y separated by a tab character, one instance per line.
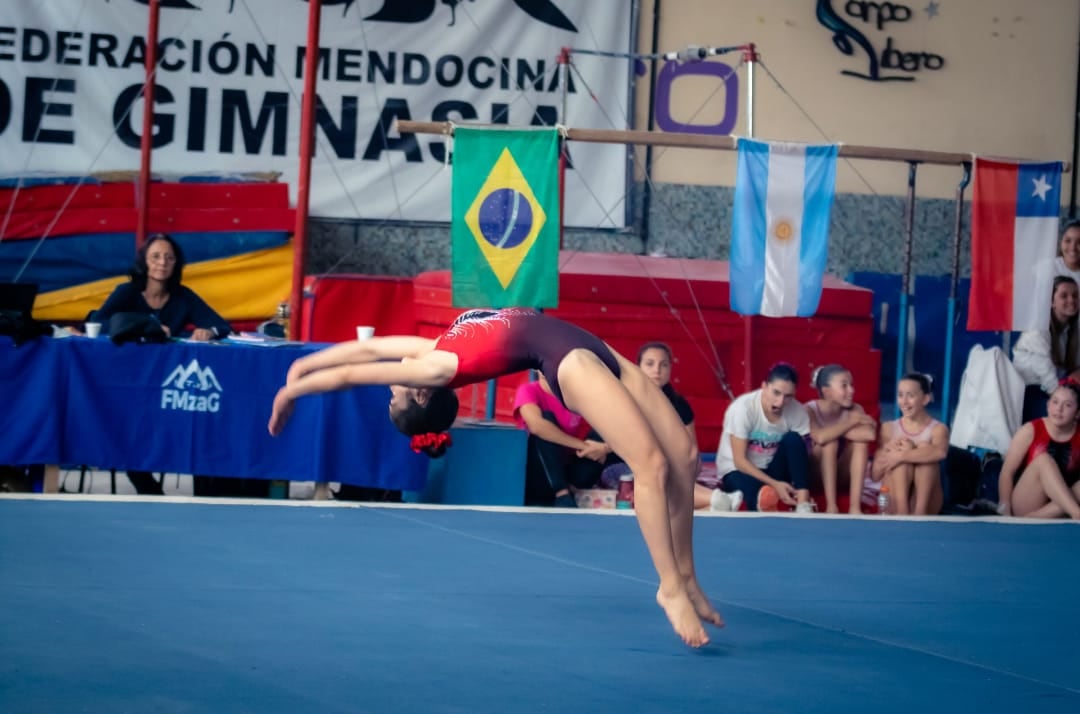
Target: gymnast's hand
296	371
283	409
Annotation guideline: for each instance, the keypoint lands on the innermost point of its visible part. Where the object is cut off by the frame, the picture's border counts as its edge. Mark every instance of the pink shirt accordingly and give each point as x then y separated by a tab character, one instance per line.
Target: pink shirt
532	393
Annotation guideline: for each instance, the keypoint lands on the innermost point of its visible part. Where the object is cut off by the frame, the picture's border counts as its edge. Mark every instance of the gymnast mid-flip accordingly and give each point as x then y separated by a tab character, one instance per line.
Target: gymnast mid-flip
625	407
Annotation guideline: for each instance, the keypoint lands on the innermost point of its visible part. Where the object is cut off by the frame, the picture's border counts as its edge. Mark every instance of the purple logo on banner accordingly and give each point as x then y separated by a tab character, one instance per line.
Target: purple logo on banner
672	71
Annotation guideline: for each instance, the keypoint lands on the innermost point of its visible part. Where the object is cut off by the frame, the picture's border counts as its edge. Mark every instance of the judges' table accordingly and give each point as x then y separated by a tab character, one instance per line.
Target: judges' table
198	408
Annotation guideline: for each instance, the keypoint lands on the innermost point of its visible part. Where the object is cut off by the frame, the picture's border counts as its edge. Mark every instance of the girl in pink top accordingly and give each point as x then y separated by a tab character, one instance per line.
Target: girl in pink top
841	433
910	450
564	454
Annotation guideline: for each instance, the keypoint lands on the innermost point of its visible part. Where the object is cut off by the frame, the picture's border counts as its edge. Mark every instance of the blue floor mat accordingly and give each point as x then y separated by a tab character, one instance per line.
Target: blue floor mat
174	607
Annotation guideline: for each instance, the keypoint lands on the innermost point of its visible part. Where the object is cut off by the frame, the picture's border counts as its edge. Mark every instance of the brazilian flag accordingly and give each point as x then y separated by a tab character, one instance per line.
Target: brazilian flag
505	218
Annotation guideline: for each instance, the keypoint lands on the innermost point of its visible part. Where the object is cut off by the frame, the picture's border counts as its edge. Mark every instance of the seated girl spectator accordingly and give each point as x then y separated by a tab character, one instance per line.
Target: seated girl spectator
841	432
910	451
560	455
1042	357
655	360
1041	474
763	449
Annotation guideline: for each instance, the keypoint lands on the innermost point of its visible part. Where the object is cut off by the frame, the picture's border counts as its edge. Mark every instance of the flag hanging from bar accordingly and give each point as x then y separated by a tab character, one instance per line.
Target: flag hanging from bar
1014	223
505	218
780	227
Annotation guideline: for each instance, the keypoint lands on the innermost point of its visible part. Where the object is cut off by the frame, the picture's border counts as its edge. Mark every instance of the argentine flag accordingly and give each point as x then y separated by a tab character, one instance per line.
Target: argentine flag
780	227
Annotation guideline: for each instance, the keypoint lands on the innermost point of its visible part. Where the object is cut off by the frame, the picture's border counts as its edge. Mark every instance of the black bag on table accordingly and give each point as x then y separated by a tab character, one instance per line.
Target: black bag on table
135	327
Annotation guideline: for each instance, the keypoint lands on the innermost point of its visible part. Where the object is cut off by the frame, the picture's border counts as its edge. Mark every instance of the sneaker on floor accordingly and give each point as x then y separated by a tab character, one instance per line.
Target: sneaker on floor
768	499
722	501
806	507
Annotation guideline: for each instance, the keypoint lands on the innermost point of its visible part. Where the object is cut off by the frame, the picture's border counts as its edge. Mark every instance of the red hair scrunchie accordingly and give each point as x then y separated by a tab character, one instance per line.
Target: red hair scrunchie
1068	382
426	441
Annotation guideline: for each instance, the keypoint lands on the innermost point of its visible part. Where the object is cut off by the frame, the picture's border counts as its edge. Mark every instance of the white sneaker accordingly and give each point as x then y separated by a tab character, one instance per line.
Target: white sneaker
807	507
722	501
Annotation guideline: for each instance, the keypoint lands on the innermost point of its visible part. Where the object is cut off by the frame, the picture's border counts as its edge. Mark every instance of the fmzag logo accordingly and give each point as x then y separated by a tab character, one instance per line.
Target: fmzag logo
191	389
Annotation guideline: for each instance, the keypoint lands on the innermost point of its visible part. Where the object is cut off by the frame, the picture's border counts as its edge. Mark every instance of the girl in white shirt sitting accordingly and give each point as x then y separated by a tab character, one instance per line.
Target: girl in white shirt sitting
1042	357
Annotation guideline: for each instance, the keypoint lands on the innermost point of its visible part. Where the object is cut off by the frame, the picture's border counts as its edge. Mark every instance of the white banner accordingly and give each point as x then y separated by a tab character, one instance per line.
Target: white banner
230	79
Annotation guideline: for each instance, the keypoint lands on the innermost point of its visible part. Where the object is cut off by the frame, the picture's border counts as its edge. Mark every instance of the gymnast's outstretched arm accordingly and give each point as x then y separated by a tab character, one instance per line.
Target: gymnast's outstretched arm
360	352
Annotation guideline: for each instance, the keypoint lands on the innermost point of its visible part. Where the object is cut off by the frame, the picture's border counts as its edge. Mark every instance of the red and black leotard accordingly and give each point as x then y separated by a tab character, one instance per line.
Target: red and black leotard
493	343
1066	454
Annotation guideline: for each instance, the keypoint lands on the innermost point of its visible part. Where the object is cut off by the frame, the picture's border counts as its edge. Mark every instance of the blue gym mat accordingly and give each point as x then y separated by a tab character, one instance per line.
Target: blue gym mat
153	606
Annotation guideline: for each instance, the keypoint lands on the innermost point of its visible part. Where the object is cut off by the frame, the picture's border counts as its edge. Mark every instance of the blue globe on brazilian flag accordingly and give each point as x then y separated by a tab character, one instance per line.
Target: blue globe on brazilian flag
505	218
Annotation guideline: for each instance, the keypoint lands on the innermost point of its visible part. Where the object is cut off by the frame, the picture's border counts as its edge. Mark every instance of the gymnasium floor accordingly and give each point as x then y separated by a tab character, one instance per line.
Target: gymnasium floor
166	605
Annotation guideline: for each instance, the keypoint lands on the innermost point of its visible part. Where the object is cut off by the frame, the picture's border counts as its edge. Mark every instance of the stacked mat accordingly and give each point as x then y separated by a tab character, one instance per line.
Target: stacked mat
75	238
628	300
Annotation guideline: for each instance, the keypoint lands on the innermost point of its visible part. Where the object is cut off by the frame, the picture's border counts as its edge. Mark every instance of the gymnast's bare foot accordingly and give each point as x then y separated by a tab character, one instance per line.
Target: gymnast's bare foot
680	612
702	606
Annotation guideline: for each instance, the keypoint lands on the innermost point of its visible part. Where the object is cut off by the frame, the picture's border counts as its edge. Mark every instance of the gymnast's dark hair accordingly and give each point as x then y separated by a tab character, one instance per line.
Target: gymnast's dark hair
824	374
434	417
925	381
784	371
139	270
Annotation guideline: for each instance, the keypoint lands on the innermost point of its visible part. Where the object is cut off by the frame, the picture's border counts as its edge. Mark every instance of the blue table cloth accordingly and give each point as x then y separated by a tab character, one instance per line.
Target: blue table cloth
198	408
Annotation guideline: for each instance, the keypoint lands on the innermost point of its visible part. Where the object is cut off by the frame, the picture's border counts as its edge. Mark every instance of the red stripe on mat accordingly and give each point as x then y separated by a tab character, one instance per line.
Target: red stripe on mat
31	225
162	195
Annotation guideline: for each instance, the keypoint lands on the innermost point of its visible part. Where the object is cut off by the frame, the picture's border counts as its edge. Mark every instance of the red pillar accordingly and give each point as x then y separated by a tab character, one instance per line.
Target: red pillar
307	144
142	199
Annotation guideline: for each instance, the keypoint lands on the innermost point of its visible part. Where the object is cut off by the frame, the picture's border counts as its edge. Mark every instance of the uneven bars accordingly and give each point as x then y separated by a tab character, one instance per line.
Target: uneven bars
703	141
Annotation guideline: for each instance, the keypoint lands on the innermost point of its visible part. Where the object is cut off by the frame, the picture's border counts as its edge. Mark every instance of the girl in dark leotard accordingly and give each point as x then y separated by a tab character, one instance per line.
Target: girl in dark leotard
625	407
1041	474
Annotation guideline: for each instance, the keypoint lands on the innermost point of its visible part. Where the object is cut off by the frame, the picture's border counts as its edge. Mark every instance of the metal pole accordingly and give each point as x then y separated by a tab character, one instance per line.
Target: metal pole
646	190
751	56
748	353
146	143
303	188
905	286
950	328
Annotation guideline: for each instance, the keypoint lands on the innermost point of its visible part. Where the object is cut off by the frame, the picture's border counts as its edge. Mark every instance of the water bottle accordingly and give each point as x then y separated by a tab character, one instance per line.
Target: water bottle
883	501
624	497
282	318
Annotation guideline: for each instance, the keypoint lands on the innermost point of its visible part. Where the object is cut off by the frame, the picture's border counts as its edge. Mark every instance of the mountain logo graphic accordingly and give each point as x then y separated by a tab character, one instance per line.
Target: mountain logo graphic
193	376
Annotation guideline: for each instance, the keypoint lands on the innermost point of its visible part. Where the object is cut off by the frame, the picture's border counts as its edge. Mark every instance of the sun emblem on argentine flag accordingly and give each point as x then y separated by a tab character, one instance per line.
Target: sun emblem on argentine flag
784	230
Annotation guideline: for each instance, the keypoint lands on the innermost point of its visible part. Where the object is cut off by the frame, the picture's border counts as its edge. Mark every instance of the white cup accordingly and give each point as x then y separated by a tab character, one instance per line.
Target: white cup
93	329
364	332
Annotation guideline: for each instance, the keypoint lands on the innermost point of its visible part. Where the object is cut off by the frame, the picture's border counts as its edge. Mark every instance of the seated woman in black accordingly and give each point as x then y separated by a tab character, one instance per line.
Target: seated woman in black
155	289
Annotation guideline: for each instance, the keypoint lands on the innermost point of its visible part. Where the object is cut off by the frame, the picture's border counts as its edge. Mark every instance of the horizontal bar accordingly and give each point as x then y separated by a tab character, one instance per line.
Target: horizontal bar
721	143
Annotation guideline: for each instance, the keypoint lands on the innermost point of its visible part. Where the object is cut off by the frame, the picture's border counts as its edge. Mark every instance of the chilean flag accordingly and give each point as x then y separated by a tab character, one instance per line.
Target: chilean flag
1014	226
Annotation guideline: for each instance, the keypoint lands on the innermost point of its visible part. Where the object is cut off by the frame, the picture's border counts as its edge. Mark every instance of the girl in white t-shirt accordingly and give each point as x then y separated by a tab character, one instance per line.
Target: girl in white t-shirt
763	448
1042	357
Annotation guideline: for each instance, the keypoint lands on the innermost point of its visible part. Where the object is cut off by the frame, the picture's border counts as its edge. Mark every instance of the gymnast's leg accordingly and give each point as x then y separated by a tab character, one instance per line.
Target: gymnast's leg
590	389
682	458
